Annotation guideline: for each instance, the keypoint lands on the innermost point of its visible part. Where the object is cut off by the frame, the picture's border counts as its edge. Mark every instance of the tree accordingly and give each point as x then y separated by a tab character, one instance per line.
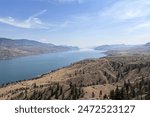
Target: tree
133	93
34	85
25	93
147	97
61	90
93	94
63	96
140	89
70	84
117	93
112	94
100	93
122	94
56	95
105	97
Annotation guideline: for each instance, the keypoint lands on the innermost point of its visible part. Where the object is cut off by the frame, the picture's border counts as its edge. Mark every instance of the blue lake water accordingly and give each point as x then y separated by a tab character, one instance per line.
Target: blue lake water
32	66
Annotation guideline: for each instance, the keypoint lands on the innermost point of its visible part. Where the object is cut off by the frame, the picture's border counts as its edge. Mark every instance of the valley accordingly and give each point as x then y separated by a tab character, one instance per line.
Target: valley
87	79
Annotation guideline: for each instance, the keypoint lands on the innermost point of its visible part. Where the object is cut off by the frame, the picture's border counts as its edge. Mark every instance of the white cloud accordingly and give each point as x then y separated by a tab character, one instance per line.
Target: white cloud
128	9
140	26
31	22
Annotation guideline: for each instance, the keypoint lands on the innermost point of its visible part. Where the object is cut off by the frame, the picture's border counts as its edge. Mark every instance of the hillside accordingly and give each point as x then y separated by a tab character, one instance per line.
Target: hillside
121	49
103	78
22	47
125	50
113	47
147	44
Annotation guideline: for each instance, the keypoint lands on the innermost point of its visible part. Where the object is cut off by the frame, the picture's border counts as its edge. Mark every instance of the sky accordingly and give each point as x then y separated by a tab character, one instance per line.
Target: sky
83	23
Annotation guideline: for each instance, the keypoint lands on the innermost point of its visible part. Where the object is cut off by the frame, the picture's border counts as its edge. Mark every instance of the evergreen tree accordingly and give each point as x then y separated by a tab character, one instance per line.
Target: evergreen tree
112	95
100	93
105	97
117	94
122	94
93	94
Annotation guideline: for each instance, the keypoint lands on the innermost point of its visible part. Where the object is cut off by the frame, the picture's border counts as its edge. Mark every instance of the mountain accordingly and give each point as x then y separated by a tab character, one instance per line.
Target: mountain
14	48
121	49
123	77
147	44
112	47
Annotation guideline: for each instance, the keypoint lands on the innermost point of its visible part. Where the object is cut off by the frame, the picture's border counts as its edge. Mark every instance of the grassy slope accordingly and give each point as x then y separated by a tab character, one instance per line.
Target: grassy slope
81	80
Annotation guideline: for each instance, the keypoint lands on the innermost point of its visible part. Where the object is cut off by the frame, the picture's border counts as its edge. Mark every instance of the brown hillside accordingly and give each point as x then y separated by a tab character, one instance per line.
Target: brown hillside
87	79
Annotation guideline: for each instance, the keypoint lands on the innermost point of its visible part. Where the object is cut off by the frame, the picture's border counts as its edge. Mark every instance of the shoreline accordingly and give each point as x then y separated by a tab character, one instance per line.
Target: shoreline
36	54
89	75
106	53
51	71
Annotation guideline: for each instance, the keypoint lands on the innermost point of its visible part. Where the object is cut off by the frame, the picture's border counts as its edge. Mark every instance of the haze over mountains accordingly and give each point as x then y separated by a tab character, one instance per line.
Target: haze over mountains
21	47
123	74
122	46
121	49
113	47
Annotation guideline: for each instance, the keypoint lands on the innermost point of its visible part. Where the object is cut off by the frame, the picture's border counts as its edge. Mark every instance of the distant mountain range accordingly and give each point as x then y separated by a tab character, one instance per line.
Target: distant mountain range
121	49
147	44
112	47
22	47
124	75
120	46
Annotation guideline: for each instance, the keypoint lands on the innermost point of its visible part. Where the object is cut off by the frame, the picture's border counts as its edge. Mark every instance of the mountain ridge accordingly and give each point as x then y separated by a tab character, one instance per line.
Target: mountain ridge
147	44
122	49
23	47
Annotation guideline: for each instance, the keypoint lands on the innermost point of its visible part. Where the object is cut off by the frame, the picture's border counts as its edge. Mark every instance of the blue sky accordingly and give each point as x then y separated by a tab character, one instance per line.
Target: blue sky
84	23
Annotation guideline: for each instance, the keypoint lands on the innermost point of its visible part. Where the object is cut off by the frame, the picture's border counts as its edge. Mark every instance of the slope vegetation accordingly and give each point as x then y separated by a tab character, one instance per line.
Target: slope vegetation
88	79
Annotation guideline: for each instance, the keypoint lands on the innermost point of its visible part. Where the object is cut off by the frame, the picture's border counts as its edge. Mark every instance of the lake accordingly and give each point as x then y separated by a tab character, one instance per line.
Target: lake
31	66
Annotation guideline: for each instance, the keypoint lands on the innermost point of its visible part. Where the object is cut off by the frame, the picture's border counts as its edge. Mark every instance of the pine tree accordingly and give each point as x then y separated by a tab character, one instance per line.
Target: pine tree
117	93
93	94
140	89
112	94
61	90
105	97
100	93
63	96
122	94
133	93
